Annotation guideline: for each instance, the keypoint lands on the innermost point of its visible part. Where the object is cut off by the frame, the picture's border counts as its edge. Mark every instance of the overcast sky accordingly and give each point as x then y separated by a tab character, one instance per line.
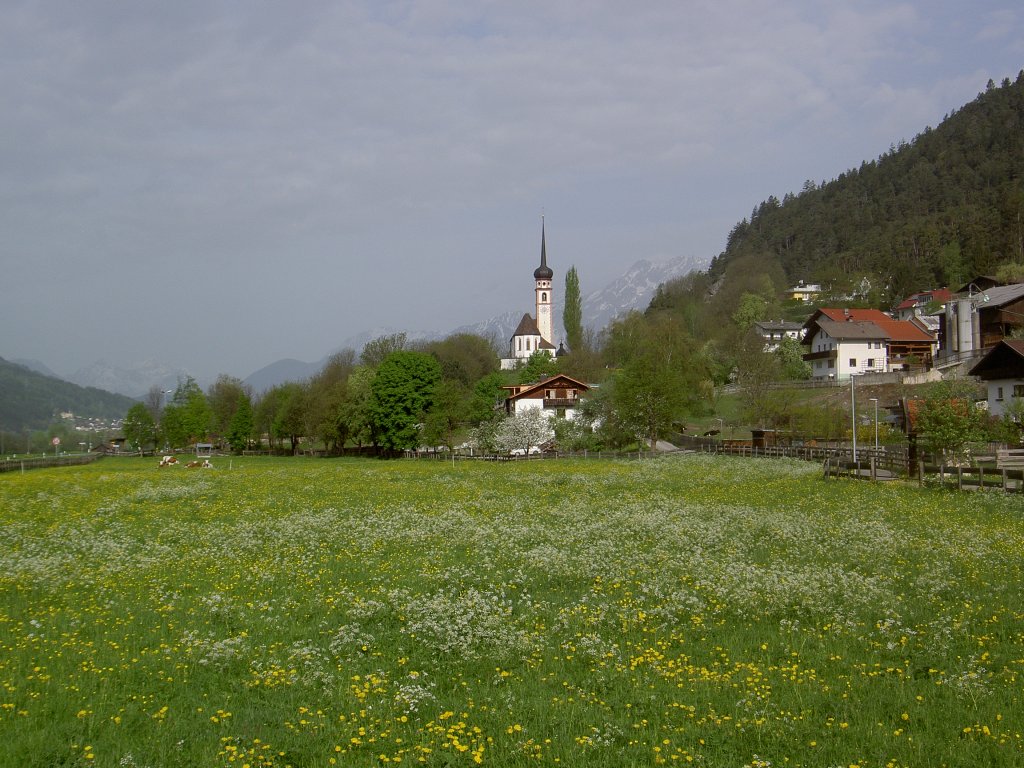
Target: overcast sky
218	185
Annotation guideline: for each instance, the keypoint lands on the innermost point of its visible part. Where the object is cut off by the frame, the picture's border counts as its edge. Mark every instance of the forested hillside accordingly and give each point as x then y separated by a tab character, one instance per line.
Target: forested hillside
933	212
30	400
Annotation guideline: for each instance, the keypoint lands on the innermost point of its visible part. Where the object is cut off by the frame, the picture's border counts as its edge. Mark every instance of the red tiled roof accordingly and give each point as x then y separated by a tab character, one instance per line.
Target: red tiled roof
839	315
893	330
942	296
903	330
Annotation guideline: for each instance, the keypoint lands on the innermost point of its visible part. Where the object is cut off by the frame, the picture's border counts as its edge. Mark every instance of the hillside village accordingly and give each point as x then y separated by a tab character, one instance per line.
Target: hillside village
903	279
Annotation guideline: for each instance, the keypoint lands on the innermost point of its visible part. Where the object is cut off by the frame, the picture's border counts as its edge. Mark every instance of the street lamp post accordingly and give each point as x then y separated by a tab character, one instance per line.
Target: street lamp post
853	418
875	401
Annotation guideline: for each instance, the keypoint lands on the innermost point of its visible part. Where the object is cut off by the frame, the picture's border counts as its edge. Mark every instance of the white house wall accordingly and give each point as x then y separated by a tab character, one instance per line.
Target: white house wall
860	351
525	404
1000	395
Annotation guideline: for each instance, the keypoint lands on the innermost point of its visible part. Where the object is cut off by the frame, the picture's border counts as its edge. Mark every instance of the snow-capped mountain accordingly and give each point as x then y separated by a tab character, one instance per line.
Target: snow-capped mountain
134	382
635	289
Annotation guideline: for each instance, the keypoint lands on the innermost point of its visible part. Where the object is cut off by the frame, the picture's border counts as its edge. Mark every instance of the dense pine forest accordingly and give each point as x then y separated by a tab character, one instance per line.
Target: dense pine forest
933	212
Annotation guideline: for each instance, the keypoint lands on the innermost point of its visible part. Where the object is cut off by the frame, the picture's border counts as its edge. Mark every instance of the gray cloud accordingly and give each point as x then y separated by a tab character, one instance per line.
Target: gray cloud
271	178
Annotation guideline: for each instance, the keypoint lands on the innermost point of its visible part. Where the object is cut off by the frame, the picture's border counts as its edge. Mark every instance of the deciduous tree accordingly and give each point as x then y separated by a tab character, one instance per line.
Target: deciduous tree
241	426
140	427
187	418
378	349
947	420
662	378
523	431
401	393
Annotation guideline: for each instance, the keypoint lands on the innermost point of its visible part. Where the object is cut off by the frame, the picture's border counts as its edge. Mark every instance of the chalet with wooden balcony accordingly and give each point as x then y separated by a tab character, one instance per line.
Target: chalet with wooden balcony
559	396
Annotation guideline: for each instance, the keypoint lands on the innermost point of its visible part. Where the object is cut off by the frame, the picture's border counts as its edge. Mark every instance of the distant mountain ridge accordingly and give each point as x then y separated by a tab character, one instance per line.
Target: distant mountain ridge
632	290
31	400
38	367
133	382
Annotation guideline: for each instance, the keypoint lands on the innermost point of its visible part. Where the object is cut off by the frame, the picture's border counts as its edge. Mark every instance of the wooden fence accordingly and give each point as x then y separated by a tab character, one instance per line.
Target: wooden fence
971	478
887	459
446	456
884	464
39	462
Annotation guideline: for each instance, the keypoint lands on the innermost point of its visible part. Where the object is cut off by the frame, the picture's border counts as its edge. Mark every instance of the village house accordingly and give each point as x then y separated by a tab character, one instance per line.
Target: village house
774	331
927	308
849	342
1002	370
805	293
558	396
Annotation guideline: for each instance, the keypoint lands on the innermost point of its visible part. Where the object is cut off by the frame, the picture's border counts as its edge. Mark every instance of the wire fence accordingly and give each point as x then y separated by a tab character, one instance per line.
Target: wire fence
40	462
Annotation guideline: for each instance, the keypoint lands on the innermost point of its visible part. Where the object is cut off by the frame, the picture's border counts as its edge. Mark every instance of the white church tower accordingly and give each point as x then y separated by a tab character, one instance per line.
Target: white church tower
534	333
542	277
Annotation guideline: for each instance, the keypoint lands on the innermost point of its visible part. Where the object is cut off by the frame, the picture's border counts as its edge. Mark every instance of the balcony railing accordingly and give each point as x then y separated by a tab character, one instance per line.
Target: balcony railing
559	402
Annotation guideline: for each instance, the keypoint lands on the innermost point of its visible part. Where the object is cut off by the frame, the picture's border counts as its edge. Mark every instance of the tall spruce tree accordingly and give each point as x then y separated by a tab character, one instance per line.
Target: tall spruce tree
572	315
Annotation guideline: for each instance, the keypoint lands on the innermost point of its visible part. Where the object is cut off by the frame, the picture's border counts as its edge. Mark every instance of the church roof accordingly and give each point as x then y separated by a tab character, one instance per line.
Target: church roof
527	327
543	272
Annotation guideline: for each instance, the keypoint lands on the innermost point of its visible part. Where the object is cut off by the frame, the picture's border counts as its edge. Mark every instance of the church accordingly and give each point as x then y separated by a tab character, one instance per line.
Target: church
536	333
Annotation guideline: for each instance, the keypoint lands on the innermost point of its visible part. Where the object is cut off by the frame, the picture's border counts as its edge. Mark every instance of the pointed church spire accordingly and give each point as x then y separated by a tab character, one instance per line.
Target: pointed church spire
543	272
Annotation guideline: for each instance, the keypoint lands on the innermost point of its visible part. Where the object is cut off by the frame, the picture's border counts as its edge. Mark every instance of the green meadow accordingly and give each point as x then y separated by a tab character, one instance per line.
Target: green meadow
683	610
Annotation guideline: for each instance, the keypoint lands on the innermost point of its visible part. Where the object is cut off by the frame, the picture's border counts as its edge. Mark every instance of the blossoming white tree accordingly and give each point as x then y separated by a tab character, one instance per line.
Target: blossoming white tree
523	431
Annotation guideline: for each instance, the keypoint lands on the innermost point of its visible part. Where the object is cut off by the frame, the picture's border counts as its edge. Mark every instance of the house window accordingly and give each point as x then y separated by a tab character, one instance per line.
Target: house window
519	344
999	393
870	362
831	363
853	362
1018	390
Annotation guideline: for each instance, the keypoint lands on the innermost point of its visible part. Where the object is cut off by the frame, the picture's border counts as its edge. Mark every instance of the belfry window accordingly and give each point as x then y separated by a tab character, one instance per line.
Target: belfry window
544	297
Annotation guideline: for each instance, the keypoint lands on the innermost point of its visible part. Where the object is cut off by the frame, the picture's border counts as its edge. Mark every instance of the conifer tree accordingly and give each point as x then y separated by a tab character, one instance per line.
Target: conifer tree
572	315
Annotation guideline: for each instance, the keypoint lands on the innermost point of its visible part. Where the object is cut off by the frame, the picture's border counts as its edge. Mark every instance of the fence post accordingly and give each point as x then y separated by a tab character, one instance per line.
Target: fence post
874	474
920	473
959	478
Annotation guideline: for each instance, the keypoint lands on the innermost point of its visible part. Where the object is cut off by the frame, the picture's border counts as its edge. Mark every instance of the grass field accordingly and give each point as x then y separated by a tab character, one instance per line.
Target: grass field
686	610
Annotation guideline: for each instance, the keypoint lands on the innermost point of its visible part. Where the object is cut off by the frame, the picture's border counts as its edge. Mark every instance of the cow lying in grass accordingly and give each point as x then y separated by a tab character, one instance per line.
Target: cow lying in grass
204	464
167	461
